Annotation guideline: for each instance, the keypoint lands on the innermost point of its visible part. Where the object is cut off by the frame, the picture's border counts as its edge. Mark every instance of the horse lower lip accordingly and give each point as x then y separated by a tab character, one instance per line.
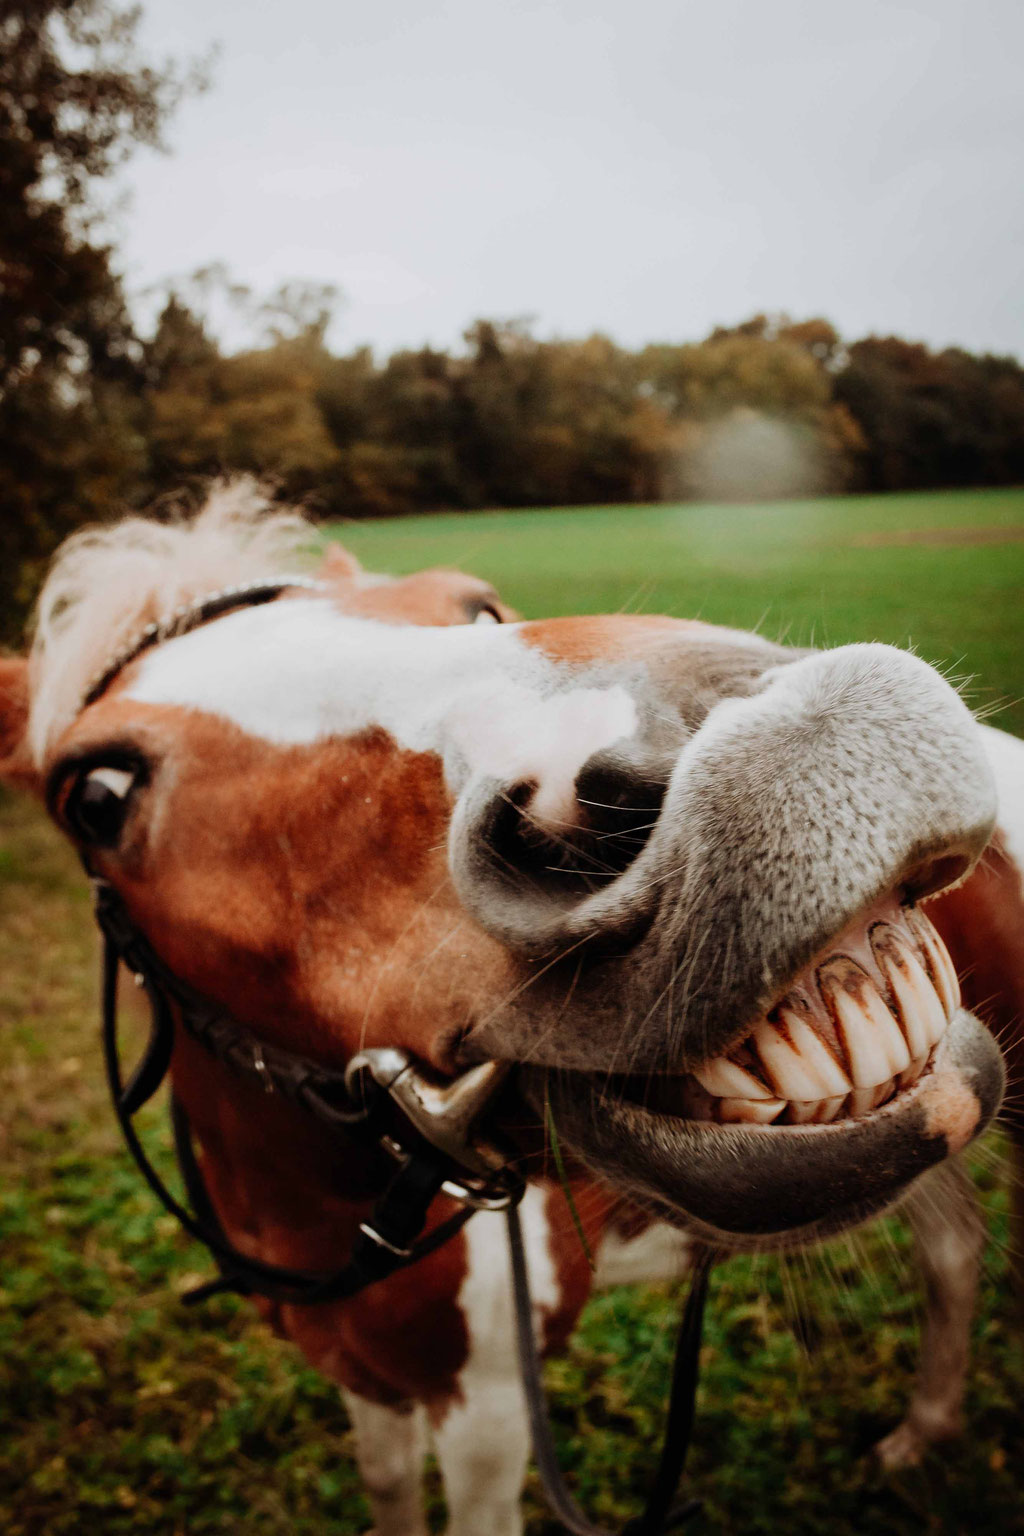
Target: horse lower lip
742	1184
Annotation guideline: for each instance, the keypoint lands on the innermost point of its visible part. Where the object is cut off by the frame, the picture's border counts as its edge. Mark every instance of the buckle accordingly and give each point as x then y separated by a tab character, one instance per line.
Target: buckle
483	1197
371	1232
261	1069
444	1113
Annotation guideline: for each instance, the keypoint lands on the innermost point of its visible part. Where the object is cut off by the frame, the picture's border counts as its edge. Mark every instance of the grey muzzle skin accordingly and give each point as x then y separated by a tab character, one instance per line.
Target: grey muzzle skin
788	812
833	779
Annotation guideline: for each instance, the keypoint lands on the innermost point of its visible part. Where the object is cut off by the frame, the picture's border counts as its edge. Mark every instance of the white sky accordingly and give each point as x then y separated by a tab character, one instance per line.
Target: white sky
648	168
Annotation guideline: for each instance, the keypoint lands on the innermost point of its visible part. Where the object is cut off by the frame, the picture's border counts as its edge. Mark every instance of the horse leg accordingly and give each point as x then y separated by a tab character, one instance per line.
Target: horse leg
949	1235
481	1436
482	1445
390	1446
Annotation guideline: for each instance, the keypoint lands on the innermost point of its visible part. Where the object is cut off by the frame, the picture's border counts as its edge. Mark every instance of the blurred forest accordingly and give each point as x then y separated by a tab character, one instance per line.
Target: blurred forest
96	416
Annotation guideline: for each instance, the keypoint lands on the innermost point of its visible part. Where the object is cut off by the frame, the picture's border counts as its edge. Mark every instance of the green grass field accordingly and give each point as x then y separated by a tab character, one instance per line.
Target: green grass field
120	1412
813	572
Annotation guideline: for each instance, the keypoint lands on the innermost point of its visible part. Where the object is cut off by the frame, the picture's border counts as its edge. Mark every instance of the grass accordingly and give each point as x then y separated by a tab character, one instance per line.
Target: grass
121	1412
800	570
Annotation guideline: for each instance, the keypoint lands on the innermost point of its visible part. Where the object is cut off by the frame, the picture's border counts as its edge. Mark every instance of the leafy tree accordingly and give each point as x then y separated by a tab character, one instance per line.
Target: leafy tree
257	410
933	419
75	99
754	410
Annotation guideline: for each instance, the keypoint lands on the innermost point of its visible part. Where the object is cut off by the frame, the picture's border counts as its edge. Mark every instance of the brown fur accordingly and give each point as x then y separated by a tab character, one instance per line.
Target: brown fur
982	923
15	763
592	639
283	1187
375	913
429	597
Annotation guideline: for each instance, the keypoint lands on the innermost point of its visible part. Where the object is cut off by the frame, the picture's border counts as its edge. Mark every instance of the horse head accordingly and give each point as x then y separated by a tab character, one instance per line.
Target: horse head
671	872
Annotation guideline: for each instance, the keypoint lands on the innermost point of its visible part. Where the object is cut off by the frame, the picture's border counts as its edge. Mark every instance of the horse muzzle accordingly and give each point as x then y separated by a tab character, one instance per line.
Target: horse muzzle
866	1073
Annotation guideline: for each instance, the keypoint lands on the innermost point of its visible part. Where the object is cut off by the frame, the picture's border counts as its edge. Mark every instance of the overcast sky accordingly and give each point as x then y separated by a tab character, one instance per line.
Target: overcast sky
647	168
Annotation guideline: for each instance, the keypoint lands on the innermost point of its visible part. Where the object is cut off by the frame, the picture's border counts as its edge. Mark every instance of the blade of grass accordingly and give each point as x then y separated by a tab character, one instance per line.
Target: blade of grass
563	1179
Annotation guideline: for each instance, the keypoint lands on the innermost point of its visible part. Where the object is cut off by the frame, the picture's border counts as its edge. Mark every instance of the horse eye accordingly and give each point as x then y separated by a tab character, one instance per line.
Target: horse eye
488	614
97	805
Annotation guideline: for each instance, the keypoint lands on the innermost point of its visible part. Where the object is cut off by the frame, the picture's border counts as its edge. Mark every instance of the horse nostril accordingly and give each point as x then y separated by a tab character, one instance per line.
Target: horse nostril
936	874
612	816
619	804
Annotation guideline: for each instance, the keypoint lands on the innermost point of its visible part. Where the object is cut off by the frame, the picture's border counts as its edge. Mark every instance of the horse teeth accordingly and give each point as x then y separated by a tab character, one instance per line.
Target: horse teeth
725	1080
819	1112
829	1109
946	981
803	1114
749	1111
918	1005
874	1043
798	1062
864	1099
796	1075
913	1072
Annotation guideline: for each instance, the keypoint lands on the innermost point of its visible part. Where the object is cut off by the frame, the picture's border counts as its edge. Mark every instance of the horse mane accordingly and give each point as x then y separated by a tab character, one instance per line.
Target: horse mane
107	582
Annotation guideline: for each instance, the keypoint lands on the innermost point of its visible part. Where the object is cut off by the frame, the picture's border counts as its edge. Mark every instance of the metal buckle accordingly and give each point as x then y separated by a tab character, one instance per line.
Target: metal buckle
395	1149
382	1242
261	1069
444	1113
482	1198
477	1193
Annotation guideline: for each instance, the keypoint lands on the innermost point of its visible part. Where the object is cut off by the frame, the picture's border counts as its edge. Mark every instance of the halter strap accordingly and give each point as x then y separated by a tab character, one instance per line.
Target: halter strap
391	1239
388	1241
187	617
661	1513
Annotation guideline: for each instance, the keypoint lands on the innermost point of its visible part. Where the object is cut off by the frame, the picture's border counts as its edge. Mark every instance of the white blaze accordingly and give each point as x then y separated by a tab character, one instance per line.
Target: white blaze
300	671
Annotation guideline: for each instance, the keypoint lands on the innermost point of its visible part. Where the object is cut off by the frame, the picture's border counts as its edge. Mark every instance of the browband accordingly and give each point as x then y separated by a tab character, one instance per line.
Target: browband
191	616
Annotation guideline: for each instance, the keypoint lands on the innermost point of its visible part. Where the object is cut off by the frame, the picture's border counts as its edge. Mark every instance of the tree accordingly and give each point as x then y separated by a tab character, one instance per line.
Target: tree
251	412
934	419
75	100
755	411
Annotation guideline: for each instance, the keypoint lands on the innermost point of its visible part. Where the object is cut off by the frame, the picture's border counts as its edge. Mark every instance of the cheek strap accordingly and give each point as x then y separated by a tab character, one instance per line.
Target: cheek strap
388	1241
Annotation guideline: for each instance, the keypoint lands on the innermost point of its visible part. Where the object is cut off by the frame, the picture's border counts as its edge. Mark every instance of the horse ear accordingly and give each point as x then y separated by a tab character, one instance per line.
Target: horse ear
339	565
15	763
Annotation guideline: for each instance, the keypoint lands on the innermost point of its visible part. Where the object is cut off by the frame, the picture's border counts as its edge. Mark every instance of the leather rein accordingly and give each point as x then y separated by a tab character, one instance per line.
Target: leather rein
430	1131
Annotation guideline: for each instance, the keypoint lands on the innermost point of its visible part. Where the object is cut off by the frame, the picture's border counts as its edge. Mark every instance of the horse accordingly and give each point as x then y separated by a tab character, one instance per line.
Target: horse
695	908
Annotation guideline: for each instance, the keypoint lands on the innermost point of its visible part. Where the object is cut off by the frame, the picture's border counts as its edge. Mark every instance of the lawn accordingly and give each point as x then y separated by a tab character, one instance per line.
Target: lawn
121	1412
943	573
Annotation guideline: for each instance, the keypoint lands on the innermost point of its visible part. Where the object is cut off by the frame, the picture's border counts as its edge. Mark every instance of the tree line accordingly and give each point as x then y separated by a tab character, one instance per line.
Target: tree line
97	416
769	408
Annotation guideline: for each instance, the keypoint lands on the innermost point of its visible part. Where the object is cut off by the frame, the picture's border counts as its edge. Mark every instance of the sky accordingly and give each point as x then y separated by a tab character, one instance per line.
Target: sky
644	168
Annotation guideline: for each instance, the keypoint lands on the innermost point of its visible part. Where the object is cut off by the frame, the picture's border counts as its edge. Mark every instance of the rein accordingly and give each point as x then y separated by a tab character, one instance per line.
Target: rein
437	1148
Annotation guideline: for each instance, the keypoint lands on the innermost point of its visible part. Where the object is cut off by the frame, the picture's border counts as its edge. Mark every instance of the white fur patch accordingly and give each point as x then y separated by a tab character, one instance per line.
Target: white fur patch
658	1253
300	671
483	1440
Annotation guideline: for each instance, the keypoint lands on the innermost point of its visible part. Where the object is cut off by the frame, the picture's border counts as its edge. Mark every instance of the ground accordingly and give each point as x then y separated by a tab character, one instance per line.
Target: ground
122	1412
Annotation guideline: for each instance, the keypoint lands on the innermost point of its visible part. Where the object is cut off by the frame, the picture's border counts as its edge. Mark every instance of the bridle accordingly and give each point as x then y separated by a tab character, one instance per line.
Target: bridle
429	1133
